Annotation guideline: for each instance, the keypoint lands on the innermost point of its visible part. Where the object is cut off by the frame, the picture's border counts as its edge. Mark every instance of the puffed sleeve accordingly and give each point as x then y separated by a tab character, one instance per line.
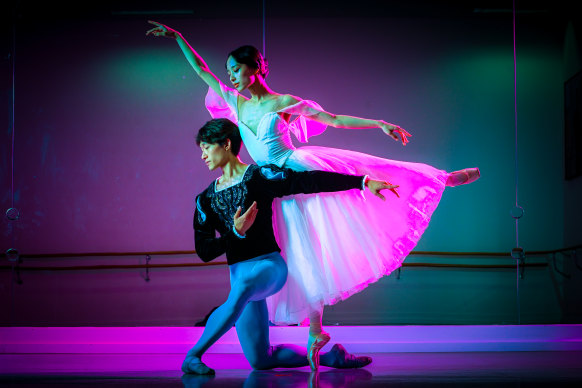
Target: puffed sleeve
302	126
222	106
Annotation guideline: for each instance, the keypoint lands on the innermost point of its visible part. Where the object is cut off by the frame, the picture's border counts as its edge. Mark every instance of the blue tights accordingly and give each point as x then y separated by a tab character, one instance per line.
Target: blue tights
251	282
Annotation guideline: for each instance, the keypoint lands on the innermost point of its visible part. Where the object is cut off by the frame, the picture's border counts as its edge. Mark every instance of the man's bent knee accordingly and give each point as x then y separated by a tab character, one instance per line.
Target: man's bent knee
260	362
261	365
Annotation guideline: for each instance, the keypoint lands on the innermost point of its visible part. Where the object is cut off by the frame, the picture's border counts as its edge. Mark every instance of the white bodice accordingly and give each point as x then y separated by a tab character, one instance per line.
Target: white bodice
272	142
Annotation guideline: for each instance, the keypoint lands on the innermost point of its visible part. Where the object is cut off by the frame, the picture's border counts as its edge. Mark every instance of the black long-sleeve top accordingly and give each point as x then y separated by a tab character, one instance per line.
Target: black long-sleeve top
215	209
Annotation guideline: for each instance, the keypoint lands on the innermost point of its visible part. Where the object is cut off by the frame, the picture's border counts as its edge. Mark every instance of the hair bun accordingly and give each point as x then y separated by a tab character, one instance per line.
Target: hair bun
251	56
264	68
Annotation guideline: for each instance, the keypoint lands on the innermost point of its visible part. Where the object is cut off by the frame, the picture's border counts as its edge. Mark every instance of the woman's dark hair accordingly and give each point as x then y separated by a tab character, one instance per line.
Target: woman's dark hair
217	131
252	57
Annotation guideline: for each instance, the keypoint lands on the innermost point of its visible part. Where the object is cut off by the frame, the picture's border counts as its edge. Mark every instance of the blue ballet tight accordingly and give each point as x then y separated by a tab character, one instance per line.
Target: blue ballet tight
251	282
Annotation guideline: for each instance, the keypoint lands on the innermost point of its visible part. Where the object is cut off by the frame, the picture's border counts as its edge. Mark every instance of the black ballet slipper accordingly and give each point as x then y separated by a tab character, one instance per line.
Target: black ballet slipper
345	360
196	368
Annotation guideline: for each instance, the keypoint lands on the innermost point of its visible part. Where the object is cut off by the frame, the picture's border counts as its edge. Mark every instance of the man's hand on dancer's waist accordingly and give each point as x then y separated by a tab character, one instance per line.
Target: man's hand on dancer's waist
242	223
376	186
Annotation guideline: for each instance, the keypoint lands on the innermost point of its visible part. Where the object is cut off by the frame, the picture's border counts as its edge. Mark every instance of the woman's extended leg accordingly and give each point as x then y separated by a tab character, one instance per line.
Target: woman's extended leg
462	177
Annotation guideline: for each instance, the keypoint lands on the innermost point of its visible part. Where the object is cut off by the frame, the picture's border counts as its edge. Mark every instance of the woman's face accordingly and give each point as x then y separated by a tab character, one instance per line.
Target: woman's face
214	155
241	76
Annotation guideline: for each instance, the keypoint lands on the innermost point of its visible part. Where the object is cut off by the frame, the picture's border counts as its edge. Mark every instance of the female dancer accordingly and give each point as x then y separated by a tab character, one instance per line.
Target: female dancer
335	244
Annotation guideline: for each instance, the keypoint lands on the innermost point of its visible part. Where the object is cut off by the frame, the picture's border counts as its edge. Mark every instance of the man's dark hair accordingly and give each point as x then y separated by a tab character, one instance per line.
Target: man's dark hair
216	131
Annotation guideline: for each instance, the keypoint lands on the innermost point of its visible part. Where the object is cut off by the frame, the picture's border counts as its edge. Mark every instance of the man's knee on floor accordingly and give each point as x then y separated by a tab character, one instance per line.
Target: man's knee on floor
259	362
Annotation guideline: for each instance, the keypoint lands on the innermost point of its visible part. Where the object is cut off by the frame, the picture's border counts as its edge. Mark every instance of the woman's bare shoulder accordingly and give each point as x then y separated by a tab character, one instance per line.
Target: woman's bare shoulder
286	100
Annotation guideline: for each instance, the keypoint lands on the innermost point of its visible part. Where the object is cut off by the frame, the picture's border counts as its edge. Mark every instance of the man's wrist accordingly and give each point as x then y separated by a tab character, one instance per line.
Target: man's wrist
365	181
237	234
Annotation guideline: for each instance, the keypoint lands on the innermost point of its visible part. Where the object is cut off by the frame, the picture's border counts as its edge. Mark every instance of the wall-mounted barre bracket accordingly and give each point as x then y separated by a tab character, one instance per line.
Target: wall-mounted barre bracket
553	256
519	254
12	214
13	255
148	258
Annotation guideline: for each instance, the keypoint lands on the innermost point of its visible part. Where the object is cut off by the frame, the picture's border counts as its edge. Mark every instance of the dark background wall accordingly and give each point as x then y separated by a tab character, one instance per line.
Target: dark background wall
104	157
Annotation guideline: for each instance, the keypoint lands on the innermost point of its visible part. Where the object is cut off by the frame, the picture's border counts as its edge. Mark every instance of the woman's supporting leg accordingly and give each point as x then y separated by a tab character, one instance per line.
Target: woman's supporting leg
315	318
317	338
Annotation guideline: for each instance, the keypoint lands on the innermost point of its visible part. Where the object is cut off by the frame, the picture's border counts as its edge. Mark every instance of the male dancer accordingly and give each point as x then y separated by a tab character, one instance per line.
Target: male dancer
230	205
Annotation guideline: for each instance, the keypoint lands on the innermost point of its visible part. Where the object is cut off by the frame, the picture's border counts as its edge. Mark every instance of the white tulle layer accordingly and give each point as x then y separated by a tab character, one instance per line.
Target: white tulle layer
338	243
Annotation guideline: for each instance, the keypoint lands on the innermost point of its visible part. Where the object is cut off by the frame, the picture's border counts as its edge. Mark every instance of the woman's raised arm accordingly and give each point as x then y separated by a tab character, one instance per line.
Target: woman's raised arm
195	60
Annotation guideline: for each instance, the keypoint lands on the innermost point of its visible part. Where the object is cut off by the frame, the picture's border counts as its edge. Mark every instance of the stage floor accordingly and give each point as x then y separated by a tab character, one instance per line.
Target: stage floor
466	369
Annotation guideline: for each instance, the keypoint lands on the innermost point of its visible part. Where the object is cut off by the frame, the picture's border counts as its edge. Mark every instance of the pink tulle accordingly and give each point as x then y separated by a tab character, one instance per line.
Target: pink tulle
338	243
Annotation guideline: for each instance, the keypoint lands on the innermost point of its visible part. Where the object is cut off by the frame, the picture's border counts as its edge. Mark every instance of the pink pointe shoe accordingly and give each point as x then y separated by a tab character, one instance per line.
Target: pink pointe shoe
313	352
463	177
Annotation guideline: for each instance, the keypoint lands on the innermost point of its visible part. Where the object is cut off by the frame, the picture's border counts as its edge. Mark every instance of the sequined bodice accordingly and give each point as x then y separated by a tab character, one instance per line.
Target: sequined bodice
226	201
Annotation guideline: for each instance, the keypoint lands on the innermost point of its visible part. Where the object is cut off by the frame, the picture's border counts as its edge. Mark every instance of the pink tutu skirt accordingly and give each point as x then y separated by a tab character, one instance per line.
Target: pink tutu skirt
338	243
335	244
